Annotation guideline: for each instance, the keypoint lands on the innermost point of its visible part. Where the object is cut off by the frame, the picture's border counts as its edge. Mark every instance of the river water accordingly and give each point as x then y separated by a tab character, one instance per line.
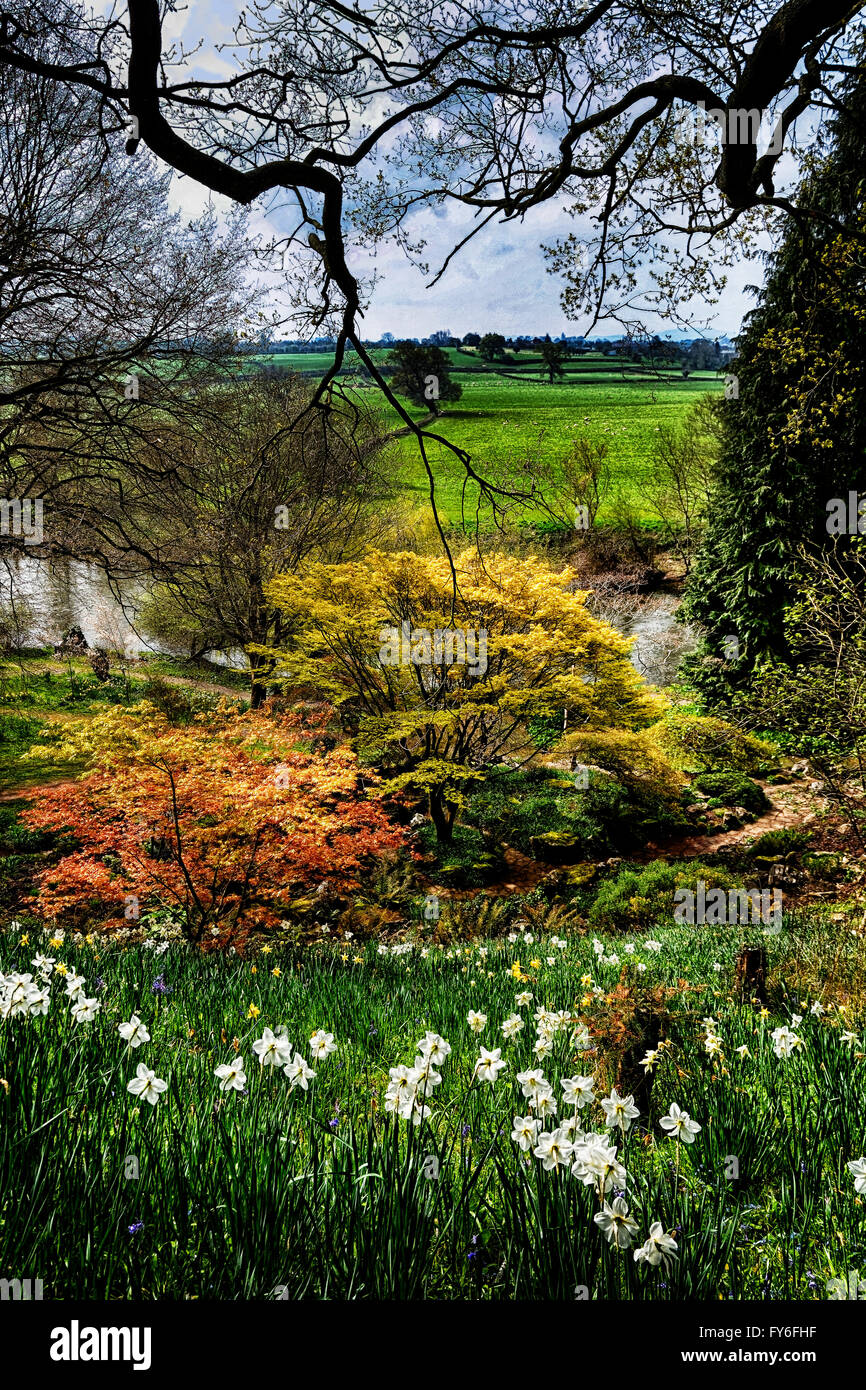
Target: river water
59	594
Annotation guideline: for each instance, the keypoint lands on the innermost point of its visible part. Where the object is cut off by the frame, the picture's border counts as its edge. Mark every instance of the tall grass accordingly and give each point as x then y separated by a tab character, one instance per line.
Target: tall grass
325	1195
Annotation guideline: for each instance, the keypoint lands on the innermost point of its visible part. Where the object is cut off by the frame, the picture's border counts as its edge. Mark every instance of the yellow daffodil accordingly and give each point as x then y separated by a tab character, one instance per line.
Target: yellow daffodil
60	968
253	1011
276	972
266	950
535	965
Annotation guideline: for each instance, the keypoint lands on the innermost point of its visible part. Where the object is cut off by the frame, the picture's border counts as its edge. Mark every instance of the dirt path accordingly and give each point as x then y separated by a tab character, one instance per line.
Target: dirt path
791	805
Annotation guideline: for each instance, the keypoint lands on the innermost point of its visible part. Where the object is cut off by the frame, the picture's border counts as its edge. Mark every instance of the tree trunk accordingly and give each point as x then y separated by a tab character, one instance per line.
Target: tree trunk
442	817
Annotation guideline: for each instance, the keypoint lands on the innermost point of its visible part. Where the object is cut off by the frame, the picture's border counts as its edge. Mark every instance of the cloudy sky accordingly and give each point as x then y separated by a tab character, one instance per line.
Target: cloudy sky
499	283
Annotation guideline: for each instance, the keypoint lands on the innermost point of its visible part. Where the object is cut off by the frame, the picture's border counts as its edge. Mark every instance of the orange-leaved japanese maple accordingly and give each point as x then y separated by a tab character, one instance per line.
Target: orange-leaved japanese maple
228	818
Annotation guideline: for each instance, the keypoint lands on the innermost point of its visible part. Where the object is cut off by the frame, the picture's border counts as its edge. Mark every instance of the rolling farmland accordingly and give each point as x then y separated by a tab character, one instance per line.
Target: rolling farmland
509	413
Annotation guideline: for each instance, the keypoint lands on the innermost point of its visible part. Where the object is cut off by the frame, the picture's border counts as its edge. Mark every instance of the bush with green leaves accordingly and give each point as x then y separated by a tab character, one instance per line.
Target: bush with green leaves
519	807
780	843
731	789
638	898
702	743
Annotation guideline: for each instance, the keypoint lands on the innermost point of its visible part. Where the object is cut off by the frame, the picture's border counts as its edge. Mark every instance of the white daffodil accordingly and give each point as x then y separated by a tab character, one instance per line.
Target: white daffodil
44	964
525	1131
523	998
38	1000
434	1047
857	1168
554	1149
298	1072
133	1032
543	1046
425	1077
679	1125
401	1105
660	1249
544	1103
848	1038
531	1082
400	1093
596	1163
512	1026
272	1049
742	1051
651	1059
619	1111
418	1112
817	1009
85	1010
232	1076
654	946
572	1129
489	1065
616	1225
74	985
322	1045
785	1042
477	1021
712	1045
146	1084
579	1090
401	1089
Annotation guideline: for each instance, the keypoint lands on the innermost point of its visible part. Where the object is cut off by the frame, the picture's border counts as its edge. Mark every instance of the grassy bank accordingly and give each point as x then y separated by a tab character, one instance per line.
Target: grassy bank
323	1192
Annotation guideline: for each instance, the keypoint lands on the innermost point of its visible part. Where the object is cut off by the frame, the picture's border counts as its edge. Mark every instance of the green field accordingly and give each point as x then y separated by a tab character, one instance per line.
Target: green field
509	413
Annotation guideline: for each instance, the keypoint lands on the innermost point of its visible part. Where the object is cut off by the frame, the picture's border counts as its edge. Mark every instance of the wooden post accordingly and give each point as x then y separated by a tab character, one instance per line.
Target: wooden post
750	981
